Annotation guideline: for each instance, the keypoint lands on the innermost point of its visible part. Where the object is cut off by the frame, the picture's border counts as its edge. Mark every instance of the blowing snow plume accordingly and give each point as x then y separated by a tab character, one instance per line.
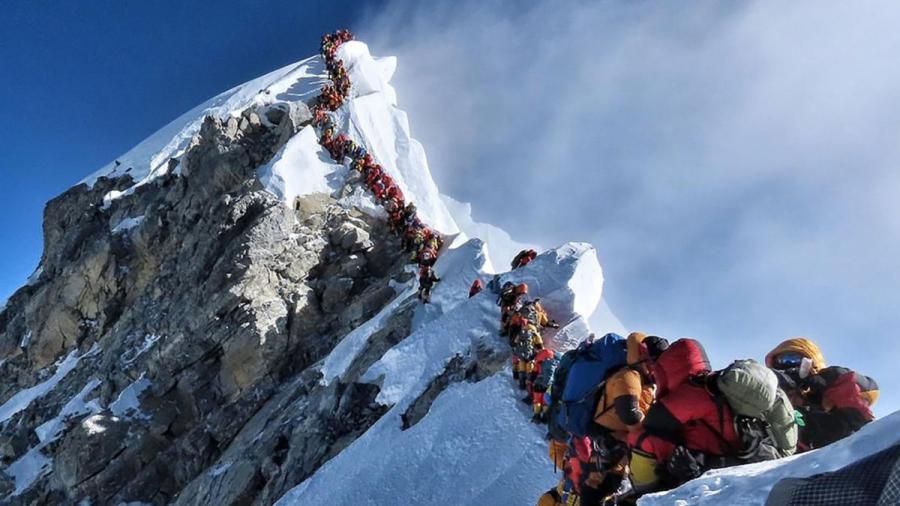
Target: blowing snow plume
735	165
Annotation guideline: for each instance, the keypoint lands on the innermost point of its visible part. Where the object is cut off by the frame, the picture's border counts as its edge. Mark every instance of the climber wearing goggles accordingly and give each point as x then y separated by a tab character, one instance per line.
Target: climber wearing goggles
788	360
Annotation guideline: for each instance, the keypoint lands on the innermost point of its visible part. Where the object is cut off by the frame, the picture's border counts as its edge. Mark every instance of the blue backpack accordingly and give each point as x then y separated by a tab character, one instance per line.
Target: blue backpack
594	362
545	378
556	391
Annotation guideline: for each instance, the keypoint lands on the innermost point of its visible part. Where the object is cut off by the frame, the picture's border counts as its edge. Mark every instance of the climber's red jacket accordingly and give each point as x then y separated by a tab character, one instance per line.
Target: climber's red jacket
686	413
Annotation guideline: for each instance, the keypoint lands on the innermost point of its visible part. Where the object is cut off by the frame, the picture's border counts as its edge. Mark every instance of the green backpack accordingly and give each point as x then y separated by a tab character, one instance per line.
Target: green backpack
764	416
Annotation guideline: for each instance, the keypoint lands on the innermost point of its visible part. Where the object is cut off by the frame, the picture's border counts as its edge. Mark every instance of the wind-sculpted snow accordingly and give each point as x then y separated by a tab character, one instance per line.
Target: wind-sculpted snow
568	290
500	246
410	366
750	485
457	267
375	122
295	82
301	168
368	74
338	361
604	321
475	447
476	444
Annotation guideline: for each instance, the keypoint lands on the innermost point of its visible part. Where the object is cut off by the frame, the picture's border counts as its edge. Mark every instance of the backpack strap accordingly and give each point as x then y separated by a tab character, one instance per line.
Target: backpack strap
720	410
605	411
600	388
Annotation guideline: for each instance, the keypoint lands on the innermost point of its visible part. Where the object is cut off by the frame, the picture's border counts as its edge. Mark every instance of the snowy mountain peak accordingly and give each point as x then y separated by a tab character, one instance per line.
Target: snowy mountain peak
223	316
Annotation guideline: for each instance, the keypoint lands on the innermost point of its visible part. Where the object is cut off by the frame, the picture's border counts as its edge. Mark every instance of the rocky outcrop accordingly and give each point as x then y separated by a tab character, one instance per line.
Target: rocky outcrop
195	308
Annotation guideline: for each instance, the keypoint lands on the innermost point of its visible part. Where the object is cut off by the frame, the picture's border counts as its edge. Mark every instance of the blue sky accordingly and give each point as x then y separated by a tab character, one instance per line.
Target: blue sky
82	82
734	164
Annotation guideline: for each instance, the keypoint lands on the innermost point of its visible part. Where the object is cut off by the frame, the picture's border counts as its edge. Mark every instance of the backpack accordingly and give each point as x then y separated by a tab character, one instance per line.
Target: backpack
764	416
506	292
530	312
548	367
516	259
594	363
556	390
524	345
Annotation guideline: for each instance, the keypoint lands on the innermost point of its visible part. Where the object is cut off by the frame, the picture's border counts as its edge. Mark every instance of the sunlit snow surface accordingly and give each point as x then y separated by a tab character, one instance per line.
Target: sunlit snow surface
476	445
24	398
302	167
34	464
375	121
295	82
750	485
457	443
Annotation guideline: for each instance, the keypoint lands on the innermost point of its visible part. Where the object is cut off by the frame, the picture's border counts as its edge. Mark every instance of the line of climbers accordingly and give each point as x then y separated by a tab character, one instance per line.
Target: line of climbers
421	242
630	416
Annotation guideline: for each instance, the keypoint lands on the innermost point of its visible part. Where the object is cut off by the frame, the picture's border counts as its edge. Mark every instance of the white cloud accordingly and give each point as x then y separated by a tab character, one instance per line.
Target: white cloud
736	166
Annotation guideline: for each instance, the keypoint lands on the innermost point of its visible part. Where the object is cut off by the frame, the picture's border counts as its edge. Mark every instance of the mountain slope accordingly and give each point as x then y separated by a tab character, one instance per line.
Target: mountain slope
222	311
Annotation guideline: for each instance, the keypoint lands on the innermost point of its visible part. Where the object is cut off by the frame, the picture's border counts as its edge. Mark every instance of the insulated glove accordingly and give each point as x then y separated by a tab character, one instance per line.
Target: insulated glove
683	465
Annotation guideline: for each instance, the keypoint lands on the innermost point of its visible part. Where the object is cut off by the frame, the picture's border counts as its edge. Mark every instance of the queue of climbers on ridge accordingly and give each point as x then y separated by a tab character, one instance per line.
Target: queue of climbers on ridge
627	416
632	415
421	242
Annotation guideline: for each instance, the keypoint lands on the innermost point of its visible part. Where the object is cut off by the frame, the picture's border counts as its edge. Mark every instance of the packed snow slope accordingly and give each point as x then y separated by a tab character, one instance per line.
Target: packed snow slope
750	485
476	444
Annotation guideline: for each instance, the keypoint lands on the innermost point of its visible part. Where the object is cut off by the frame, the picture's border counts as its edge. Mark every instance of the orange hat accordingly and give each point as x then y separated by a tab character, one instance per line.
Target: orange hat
802	346
633	345
521	288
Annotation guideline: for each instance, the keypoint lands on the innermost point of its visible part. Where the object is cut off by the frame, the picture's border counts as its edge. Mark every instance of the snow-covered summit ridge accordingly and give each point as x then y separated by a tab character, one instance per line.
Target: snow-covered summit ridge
302	167
371	117
298	81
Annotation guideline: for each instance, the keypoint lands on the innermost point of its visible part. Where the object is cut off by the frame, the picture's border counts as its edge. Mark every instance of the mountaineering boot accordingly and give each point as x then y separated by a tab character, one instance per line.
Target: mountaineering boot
522	384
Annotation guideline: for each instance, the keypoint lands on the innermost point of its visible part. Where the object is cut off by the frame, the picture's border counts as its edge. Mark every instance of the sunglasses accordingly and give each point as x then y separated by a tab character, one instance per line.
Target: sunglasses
788	361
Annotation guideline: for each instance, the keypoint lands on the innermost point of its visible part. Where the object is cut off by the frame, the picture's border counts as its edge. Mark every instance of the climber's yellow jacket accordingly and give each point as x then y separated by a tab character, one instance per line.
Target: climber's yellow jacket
626	396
